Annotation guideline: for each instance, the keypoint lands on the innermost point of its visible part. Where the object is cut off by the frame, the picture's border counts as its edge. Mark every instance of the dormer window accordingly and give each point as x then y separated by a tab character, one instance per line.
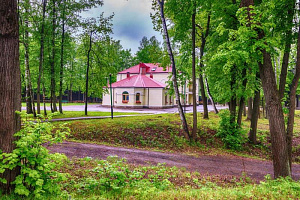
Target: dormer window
153	69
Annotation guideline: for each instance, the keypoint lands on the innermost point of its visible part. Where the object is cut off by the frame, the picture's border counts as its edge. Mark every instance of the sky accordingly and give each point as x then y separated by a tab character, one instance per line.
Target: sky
131	21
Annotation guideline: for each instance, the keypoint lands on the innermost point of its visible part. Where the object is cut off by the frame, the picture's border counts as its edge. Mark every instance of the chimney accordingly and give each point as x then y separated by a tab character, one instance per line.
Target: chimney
151	75
128	74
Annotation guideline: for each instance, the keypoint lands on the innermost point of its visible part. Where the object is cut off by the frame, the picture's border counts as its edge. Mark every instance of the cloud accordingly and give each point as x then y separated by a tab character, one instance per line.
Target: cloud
131	21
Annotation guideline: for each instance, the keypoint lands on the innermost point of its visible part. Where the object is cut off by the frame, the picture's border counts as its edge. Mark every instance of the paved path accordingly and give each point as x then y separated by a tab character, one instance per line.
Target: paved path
94	117
98	107
204	164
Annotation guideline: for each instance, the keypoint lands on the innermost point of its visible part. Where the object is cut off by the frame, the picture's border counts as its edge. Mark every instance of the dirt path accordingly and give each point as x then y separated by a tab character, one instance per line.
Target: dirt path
211	165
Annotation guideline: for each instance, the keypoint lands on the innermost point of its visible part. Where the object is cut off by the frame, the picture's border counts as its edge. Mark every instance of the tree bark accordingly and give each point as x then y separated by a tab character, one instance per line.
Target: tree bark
29	92
41	59
250	103
61	73
287	49
10	84
202	88
194	133
242	99
87	75
210	97
174	77
254	116
292	103
52	63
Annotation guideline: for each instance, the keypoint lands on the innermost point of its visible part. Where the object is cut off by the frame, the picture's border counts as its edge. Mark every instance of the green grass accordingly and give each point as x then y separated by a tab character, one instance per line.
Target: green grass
64	104
116	179
72	114
163	133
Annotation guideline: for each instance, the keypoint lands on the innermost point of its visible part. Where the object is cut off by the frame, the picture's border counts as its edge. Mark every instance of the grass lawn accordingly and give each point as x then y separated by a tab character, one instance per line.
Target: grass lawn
72	114
114	178
64	104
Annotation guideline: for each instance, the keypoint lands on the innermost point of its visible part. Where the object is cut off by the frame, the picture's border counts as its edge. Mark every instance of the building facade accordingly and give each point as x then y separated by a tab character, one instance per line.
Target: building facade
145	86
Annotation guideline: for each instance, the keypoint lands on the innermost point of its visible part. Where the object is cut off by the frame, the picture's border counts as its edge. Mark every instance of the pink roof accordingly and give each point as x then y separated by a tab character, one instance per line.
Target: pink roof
138	81
151	68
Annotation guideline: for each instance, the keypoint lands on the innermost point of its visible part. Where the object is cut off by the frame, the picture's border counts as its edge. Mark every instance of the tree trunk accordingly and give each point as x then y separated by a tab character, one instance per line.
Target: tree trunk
10	84
194	133
174	78
29	92
254	117
44	100
242	99
61	73
292	103
41	59
52	63
232	103
87	75
249	113
210	97
287	49
202	88
27	80
276	118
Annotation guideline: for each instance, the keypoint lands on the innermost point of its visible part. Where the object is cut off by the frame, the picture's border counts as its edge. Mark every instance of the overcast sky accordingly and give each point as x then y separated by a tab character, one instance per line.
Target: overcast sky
131	21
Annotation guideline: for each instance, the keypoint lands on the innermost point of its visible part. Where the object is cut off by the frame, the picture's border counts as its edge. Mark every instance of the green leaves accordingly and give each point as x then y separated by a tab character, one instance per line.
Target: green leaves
37	175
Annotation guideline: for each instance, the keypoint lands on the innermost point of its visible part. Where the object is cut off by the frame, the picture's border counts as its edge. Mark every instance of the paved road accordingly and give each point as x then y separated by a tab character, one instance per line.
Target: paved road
205	164
98	107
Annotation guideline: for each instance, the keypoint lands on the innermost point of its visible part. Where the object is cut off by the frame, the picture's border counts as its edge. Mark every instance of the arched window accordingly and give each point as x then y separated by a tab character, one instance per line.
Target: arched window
125	97
138	98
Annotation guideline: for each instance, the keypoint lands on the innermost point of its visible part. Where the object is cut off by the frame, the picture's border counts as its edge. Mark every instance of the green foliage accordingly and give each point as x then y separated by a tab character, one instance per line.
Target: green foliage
231	134
150	51
114	177
36	164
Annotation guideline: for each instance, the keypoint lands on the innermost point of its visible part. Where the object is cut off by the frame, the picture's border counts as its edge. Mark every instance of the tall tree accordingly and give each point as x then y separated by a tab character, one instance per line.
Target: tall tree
41	58
194	133
10	86
52	59
273	101
149	51
174	77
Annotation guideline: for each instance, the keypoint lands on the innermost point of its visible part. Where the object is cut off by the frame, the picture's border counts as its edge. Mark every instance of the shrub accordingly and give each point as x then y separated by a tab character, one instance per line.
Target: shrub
36	164
230	133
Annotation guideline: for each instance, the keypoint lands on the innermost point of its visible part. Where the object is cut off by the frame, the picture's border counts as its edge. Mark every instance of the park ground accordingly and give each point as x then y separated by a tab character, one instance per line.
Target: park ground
160	164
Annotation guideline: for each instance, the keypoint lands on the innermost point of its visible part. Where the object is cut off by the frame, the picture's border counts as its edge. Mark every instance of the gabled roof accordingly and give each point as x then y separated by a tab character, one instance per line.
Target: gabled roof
151	68
138	81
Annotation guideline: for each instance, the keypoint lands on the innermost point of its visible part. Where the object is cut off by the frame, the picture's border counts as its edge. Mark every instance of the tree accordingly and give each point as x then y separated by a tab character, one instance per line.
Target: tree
10	86
149	51
174	77
99	28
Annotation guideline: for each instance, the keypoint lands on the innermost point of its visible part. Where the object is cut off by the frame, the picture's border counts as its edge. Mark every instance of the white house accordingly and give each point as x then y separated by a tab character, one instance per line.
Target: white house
144	86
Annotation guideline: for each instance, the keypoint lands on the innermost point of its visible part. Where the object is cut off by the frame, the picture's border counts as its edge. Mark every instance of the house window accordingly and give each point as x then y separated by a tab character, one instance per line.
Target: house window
125	97
138	98
170	99
166	98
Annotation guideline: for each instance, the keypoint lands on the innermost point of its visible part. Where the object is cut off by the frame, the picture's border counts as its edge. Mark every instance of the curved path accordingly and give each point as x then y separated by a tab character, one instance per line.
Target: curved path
204	164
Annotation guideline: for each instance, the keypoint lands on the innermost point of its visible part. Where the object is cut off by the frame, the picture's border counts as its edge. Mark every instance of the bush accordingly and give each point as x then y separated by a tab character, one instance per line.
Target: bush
37	175
230	133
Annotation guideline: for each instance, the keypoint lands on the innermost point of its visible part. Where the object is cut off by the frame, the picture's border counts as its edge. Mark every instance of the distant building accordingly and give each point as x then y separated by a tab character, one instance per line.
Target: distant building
144	86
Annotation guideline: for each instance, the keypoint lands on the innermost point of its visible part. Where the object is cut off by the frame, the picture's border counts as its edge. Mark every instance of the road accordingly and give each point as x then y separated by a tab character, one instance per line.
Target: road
219	165
98	107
